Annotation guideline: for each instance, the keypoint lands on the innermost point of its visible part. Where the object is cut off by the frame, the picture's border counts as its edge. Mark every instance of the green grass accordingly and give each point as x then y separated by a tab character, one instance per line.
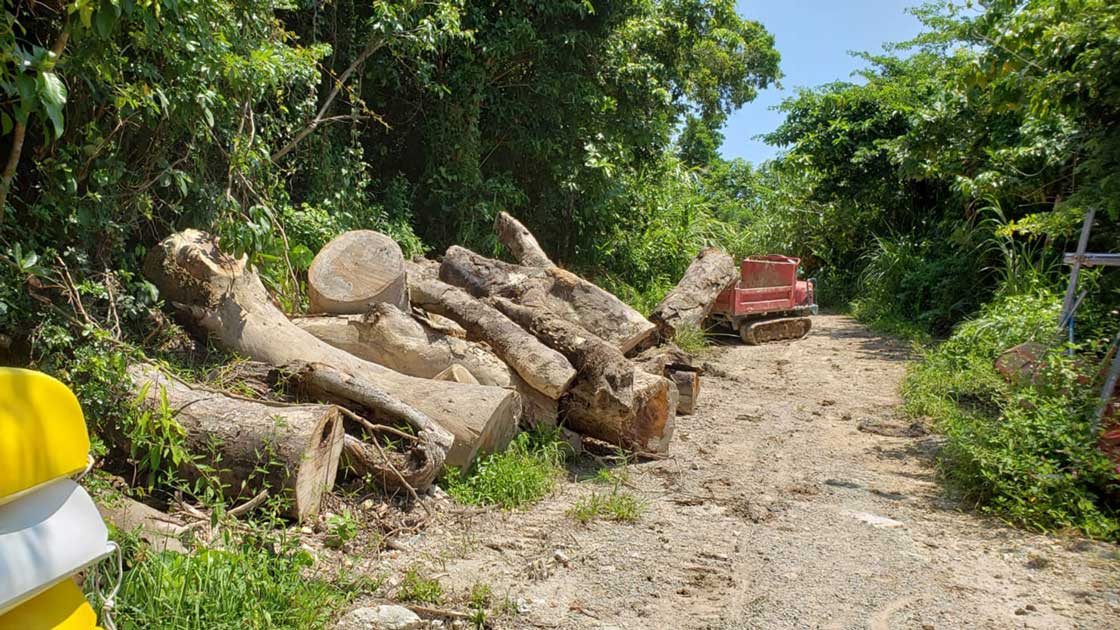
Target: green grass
691	339
238	588
522	474
1023	453
617	505
419	589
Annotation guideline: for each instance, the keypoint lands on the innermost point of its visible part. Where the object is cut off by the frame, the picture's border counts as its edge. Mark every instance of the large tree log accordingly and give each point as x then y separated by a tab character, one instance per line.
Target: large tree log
543	368
611	399
395	339
712	271
355	270
520	242
297	446
562	292
219	295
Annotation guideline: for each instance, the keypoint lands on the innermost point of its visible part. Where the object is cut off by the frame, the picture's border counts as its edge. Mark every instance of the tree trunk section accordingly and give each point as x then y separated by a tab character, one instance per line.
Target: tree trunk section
218	295
543	368
355	270
297	446
611	399
520	242
394	339
710	273
565	294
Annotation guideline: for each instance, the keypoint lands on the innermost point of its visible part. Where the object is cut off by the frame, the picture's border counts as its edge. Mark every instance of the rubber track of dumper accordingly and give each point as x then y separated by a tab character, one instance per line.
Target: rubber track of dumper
770	330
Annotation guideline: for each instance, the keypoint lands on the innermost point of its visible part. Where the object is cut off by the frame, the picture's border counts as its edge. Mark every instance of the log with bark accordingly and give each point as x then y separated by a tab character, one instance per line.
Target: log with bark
520	242
355	270
710	273
215	293
562	292
543	368
297	446
419	465
611	399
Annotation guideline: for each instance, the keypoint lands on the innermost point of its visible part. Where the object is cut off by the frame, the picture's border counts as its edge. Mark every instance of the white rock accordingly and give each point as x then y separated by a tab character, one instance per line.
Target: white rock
380	618
877	521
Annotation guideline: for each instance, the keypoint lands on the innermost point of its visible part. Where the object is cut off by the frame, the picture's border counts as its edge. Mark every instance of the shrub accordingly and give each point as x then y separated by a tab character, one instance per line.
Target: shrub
1025	453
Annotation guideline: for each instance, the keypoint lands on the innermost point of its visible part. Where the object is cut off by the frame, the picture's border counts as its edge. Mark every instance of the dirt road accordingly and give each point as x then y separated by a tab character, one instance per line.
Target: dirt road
776	510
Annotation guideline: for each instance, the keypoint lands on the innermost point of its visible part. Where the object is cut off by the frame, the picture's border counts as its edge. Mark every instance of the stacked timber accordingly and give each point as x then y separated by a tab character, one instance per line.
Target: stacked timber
462	352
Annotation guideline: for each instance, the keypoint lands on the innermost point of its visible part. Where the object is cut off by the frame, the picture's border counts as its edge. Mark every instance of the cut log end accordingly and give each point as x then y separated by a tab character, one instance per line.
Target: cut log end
355	270
319	466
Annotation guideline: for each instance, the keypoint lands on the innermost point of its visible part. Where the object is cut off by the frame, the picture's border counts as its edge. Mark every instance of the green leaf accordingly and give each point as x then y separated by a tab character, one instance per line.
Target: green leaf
6	124
103	21
25	85
52	95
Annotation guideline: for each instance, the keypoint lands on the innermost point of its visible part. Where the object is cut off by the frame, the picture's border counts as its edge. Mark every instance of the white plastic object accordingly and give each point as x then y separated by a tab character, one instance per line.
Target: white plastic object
46	536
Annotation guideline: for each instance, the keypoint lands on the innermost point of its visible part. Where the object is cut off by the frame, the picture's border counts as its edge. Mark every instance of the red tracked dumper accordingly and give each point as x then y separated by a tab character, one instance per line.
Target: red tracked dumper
767	303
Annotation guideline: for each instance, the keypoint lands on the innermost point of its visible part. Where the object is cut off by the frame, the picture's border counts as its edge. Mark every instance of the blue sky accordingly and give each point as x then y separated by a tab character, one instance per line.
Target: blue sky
814	37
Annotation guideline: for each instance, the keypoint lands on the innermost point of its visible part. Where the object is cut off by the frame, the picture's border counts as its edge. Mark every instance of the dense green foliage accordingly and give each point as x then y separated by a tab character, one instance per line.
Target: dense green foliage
1025	452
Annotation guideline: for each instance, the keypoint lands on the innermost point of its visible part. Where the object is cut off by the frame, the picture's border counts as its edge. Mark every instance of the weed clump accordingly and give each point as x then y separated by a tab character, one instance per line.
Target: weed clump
617	505
523	474
419	589
691	339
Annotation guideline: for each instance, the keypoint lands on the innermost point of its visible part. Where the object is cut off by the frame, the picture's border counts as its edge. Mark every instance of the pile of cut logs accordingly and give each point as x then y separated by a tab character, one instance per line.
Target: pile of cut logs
464	351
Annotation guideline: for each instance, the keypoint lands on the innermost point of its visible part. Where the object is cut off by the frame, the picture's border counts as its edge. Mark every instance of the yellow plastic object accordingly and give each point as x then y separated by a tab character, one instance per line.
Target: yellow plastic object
42	432
61	607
